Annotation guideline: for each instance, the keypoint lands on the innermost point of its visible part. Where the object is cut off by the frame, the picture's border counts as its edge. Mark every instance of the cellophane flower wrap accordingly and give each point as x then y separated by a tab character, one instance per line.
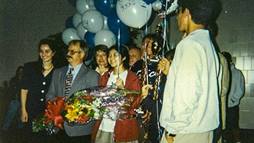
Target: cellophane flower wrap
83	107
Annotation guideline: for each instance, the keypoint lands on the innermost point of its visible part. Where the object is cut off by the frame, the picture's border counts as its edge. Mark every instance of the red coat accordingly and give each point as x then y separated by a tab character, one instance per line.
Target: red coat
125	129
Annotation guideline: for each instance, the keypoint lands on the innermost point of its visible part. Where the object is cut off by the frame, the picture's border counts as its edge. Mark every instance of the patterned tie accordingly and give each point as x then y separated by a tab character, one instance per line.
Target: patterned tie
68	82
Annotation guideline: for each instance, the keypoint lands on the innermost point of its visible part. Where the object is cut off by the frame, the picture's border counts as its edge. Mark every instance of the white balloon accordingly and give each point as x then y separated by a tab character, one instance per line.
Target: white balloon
70	34
157	5
92	20
105	37
134	13
77	19
84	5
81	31
105	25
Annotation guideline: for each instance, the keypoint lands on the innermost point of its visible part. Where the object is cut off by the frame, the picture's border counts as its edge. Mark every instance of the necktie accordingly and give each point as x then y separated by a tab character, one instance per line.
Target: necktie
68	82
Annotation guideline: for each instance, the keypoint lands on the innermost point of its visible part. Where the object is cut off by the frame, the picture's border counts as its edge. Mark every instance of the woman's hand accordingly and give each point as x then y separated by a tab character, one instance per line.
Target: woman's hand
24	116
119	83
164	65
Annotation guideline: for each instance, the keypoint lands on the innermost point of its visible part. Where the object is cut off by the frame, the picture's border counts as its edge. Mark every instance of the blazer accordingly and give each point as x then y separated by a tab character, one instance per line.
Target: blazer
85	78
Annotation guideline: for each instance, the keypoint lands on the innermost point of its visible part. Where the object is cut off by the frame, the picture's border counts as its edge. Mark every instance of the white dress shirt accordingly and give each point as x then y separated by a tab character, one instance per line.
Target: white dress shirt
190	102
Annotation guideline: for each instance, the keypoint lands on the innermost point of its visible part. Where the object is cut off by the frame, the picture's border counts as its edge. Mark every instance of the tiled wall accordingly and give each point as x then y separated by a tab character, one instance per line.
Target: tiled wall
237	37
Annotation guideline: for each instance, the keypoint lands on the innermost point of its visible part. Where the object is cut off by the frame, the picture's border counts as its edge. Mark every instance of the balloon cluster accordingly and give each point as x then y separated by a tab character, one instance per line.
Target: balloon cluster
101	21
104	21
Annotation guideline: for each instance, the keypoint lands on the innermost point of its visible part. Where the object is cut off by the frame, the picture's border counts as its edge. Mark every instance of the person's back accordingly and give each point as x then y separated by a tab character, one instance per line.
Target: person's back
237	87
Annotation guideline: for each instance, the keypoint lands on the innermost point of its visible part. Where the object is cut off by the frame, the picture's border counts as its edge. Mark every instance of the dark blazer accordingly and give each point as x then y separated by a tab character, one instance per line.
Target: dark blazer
37	85
85	78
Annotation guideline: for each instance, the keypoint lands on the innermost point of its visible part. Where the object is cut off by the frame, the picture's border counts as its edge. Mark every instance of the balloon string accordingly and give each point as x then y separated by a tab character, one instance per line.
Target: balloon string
118	48
164	30
146	29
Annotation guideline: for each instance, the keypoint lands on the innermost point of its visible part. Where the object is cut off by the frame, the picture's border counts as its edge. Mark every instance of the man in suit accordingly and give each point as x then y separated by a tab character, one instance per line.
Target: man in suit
69	79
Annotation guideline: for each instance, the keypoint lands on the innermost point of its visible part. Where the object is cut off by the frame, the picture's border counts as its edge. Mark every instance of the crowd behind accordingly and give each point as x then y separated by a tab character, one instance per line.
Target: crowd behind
189	93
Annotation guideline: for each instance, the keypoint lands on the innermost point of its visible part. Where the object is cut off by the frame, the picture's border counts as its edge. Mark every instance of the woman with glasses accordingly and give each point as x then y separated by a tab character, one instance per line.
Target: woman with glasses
100	63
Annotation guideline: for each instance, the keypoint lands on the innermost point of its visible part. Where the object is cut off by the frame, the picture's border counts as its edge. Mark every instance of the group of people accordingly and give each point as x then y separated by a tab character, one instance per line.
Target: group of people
183	92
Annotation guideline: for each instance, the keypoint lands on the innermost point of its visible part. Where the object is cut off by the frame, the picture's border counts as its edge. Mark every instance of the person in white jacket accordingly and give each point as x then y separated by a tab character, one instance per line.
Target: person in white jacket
190	110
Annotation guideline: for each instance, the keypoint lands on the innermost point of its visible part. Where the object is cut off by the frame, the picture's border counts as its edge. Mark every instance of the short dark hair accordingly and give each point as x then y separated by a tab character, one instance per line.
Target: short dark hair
202	11
82	45
228	56
123	51
133	46
101	47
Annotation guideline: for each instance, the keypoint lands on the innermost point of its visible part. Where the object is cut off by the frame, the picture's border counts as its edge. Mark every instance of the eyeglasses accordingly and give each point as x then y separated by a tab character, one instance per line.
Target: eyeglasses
72	52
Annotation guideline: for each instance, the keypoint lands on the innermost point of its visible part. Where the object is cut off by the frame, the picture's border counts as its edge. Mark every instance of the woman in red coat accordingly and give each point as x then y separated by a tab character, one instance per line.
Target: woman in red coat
126	128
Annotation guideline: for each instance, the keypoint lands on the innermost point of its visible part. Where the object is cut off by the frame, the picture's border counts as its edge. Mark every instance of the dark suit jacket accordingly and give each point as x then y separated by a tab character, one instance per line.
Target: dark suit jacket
85	78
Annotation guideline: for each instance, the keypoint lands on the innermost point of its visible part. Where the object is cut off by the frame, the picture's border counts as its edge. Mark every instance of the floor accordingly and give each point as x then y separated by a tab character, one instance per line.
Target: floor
17	136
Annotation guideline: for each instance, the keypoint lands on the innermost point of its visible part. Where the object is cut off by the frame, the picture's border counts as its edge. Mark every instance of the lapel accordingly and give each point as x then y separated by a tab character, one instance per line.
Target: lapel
63	78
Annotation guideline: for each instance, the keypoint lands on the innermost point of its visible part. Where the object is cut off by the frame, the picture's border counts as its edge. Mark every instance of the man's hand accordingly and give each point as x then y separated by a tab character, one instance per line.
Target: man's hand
169	139
164	65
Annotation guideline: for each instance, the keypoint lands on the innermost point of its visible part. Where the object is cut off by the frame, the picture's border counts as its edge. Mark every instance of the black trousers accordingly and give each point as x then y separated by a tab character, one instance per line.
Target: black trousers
62	137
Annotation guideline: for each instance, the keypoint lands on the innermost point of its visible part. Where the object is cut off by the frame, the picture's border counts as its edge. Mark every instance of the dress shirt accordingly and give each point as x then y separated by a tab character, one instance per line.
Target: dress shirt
190	102
236	88
75	71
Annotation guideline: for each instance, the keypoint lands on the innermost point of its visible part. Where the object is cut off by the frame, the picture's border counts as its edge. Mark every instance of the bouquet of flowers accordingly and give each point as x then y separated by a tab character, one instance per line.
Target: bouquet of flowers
82	107
51	120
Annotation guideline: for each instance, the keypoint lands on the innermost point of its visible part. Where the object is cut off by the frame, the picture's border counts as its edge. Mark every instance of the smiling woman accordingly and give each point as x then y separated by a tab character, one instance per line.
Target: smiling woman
35	83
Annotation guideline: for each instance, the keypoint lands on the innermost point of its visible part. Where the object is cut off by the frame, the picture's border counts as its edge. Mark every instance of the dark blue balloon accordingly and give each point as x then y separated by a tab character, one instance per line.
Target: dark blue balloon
124	36
149	1
114	24
105	6
69	23
89	38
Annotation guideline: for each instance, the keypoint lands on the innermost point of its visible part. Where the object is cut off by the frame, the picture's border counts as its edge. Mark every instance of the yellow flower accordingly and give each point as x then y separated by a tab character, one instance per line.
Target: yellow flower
72	113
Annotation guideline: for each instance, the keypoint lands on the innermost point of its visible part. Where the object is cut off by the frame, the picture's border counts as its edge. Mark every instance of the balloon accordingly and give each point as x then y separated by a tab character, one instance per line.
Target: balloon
149	1
89	38
105	37
77	19
105	25
92	21
84	5
124	36
157	5
81	30
114	24
68	22
134	13
105	6
69	34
